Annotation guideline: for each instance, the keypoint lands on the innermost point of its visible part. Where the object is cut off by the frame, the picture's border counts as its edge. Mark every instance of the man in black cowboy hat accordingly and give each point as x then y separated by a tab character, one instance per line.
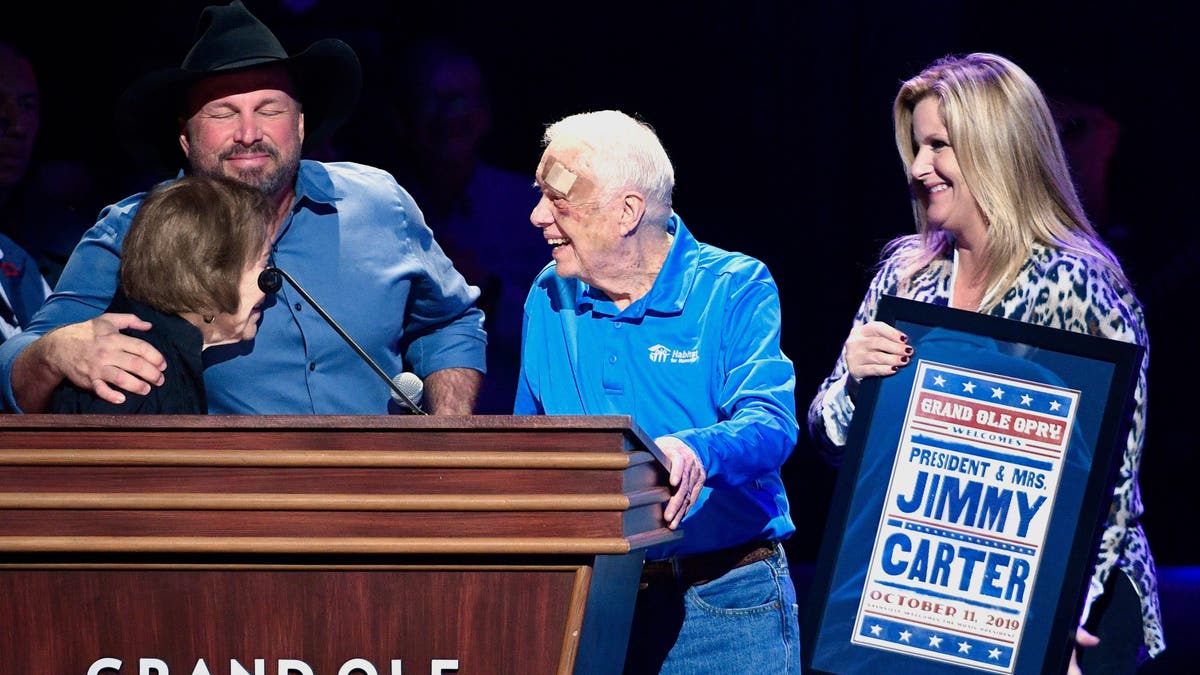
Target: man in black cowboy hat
241	106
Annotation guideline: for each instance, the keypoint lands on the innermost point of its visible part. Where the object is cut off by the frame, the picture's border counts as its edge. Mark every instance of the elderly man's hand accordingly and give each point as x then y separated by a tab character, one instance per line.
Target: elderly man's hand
687	477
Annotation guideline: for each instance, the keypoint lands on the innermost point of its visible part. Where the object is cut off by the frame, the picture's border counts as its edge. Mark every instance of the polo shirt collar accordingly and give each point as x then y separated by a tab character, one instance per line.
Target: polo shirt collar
670	290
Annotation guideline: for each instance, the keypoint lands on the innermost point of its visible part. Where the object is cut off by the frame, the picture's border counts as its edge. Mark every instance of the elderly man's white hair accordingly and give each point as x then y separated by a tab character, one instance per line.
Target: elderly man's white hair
623	153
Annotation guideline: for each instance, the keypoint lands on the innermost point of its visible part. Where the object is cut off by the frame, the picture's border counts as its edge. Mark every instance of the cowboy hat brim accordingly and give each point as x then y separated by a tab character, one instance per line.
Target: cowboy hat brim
327	75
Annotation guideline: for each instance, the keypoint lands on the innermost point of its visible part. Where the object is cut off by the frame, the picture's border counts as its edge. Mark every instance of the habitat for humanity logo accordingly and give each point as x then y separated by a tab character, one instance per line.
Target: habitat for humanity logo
664	354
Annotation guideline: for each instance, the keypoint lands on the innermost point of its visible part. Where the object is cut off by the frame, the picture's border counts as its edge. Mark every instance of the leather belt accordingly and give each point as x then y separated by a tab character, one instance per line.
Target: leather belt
699	568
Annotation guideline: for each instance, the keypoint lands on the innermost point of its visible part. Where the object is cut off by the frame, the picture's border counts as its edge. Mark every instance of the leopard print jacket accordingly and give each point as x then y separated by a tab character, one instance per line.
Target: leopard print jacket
1061	290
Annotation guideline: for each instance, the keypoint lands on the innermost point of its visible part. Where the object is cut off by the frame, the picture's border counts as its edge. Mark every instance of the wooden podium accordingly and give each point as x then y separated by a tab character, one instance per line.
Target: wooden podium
311	545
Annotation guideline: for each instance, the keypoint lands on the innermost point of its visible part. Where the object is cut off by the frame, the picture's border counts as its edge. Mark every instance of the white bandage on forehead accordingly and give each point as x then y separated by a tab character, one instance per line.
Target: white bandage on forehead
559	178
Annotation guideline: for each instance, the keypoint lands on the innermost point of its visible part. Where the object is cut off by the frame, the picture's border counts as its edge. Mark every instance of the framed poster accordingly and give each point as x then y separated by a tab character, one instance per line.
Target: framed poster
971	497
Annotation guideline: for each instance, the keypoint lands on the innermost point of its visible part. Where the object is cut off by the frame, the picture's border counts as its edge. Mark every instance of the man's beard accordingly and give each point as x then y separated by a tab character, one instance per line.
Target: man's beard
269	181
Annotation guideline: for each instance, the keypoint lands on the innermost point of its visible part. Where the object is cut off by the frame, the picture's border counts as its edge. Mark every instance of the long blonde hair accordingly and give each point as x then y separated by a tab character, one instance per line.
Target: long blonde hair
1011	159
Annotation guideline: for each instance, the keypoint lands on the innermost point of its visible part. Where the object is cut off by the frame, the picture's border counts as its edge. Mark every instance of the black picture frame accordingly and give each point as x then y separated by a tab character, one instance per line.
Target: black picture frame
959	517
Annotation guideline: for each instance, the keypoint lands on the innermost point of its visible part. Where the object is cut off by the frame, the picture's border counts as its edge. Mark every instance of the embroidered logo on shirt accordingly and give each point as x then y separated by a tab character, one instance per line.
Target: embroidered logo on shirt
664	354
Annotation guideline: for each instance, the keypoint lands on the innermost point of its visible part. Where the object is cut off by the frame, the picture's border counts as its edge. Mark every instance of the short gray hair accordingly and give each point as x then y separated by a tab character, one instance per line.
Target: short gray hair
625	153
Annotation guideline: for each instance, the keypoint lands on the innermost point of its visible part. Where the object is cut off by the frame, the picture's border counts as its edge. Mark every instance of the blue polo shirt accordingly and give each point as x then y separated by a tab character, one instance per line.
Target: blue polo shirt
697	358
356	241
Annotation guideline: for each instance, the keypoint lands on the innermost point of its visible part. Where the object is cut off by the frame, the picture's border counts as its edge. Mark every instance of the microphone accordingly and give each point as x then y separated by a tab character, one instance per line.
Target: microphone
270	281
413	388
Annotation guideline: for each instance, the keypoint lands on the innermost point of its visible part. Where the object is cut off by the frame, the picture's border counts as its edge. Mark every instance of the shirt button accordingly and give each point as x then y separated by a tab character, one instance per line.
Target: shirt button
612	359
298	307
618	325
312	366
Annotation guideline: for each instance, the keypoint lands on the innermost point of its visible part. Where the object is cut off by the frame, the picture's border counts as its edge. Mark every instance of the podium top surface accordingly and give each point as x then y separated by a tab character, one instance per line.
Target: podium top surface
317	431
399	422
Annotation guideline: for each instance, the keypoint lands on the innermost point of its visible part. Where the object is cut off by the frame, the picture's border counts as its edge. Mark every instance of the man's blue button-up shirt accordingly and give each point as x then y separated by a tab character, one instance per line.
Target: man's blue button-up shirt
358	244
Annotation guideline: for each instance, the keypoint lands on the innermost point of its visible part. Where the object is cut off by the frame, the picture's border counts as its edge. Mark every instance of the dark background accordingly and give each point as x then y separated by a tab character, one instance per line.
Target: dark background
777	116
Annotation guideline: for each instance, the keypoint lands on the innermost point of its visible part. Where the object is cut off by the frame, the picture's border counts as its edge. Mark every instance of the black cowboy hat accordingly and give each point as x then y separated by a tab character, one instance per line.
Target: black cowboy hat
327	75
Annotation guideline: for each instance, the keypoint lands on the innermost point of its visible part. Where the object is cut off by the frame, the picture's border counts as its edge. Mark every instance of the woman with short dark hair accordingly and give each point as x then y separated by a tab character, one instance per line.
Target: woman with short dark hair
189	269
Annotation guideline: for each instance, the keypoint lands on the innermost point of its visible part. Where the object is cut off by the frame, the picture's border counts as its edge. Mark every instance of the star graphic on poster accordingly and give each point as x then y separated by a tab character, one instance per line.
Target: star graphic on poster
876	630
904	636
994	654
969	387
1055	405
939	380
997	392
964	647
935	642
1026	399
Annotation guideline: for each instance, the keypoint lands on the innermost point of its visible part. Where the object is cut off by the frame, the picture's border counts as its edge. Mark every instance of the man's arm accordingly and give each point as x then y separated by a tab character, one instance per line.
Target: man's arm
94	355
443	328
452	391
84	290
756	427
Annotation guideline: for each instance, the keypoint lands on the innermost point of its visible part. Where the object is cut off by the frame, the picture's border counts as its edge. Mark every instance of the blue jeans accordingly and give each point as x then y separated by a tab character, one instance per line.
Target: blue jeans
746	621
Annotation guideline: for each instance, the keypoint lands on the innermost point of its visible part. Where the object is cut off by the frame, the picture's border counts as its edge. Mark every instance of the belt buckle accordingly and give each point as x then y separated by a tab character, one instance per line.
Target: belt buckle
760	552
706	567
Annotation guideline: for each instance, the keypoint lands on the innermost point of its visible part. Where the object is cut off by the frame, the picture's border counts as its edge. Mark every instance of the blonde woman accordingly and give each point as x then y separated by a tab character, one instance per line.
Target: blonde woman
1000	231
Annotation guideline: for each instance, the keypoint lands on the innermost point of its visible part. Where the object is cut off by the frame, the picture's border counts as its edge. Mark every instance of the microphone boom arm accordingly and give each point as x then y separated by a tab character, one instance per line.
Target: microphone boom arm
268	281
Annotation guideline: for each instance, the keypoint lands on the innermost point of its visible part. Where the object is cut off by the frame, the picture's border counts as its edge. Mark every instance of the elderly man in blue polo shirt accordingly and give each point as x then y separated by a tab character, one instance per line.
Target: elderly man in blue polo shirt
635	317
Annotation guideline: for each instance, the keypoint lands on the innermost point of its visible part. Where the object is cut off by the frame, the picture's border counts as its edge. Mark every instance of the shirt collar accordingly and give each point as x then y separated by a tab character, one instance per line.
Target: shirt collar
670	290
313	187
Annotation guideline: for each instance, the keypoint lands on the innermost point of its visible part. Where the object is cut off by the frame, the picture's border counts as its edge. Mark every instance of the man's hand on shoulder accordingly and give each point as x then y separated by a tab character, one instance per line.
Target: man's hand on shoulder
92	355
